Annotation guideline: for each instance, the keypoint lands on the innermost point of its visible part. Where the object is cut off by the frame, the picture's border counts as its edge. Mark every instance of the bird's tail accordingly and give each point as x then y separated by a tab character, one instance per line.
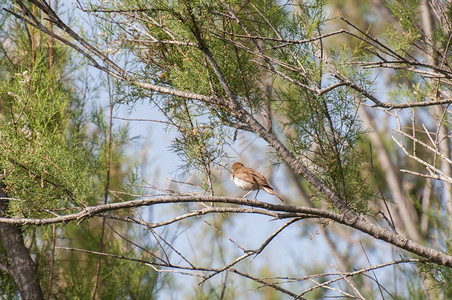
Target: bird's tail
271	191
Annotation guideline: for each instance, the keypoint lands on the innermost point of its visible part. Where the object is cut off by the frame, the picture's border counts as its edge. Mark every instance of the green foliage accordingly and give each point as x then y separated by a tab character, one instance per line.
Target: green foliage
120	279
439	277
407	13
197	144
325	131
43	167
54	161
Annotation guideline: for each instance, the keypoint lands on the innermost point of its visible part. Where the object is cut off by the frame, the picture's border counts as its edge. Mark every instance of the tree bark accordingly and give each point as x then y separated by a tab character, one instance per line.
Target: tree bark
19	264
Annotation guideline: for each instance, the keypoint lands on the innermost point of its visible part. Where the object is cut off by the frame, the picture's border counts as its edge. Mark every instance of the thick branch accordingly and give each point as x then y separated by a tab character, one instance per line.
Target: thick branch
288	211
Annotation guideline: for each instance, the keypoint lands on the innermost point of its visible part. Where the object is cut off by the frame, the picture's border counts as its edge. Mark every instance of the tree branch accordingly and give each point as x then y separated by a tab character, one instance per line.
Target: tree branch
288	212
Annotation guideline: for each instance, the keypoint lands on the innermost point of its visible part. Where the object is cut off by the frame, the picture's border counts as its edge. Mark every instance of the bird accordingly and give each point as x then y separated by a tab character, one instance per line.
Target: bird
249	180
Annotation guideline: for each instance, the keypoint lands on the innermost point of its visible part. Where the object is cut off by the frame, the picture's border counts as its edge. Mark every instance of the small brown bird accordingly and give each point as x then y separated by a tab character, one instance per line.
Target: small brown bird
249	180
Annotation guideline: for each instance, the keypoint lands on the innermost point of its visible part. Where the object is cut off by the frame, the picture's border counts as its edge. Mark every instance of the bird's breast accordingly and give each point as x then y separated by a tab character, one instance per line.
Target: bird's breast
244	185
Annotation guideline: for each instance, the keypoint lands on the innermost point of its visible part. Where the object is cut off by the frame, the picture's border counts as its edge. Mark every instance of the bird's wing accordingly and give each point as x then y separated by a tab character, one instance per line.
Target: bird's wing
244	175
260	179
252	176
